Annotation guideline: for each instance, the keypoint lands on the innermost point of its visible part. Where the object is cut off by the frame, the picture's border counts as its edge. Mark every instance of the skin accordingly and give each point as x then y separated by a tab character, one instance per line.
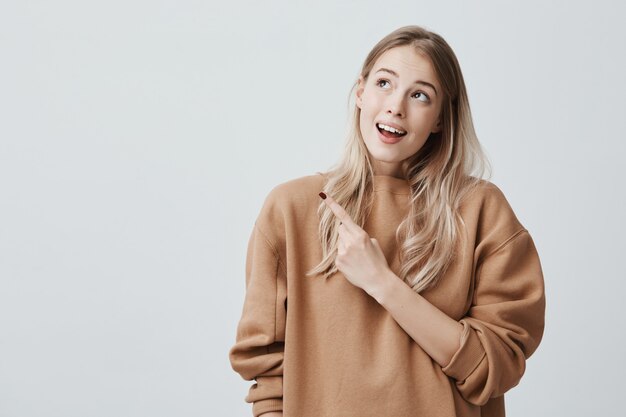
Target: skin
415	107
385	97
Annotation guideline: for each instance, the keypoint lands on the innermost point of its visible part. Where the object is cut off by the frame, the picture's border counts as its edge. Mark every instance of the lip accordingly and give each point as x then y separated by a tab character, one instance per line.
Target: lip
389	141
394	125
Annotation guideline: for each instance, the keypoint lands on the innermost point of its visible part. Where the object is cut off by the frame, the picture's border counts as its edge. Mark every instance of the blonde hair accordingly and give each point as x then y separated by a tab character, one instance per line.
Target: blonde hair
447	167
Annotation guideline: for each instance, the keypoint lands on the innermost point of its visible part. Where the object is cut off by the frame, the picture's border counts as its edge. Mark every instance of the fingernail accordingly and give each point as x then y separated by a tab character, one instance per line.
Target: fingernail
323	195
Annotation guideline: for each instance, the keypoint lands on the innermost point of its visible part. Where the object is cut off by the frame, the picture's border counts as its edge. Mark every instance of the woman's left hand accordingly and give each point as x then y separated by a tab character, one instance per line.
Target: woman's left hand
359	257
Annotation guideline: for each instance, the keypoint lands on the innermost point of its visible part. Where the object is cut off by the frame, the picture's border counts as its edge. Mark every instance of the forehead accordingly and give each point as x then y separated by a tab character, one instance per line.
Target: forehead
407	63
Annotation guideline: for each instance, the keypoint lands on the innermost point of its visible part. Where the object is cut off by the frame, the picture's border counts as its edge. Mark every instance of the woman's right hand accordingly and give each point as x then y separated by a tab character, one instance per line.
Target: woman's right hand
272	414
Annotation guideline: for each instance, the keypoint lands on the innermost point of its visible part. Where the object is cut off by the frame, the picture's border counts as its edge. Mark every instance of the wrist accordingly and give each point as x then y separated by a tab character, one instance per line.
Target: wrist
384	287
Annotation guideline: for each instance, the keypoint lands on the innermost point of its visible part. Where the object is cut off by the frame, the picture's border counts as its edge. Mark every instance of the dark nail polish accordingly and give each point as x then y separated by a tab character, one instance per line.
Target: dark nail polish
323	195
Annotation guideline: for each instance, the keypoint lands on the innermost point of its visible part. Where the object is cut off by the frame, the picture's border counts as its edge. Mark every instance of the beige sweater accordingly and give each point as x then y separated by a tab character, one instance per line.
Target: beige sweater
325	348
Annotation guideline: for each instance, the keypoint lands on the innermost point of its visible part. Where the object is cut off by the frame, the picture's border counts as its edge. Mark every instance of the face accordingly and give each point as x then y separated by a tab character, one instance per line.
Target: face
402	91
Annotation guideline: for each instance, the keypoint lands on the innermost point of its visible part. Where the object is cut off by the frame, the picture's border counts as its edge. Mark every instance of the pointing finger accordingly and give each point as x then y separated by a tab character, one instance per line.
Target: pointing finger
339	211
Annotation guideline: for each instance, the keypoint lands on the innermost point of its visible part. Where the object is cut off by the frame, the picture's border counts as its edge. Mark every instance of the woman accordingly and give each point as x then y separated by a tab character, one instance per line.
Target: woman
410	288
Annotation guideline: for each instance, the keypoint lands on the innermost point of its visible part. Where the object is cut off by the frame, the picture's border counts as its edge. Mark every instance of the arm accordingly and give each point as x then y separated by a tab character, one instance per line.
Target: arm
259	348
502	328
439	336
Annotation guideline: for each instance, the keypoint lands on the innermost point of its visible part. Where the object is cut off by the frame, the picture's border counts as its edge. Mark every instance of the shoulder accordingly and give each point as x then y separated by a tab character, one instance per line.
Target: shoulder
295	191
488	213
291	201
297	187
488	196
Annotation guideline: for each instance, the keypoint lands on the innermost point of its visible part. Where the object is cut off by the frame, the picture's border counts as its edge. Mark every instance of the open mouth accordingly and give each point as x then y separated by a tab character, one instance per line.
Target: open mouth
390	132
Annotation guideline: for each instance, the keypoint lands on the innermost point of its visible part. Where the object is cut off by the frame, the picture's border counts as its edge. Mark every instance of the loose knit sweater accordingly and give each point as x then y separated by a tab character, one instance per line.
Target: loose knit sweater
325	348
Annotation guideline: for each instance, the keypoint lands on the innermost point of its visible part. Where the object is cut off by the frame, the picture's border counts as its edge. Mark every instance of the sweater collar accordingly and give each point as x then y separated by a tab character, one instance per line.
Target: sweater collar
388	182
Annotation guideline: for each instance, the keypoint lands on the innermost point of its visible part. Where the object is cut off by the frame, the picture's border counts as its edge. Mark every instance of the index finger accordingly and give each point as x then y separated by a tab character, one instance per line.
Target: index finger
338	210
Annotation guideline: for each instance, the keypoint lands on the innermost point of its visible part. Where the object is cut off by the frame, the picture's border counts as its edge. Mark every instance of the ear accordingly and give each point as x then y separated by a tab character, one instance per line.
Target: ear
359	92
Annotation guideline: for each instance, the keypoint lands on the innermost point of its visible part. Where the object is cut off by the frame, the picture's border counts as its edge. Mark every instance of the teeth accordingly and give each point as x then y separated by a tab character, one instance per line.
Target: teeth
391	129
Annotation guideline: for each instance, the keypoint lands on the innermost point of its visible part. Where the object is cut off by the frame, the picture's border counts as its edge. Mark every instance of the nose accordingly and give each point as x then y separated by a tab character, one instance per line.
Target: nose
395	105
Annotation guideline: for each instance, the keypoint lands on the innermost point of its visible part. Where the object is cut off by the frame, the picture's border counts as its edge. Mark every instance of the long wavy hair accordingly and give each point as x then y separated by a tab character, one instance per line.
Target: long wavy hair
447	167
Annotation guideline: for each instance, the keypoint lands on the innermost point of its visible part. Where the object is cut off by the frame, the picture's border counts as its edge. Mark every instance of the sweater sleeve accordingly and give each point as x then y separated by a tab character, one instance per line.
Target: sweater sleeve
504	324
259	348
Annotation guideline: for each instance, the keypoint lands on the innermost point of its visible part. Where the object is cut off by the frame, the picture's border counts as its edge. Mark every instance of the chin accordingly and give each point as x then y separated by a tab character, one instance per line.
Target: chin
385	155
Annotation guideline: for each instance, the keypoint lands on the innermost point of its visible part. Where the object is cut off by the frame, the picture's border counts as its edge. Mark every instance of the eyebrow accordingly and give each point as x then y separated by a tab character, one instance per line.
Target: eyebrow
392	72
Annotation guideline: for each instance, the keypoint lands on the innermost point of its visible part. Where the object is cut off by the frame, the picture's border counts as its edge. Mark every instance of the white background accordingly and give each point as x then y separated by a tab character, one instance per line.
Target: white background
138	140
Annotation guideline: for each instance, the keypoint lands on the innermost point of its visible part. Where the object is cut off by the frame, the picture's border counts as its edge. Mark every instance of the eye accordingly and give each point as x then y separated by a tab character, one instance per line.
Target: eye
426	99
423	94
381	79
